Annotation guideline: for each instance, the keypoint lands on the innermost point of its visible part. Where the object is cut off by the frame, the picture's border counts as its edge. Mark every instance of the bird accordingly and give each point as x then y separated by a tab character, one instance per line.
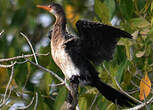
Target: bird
77	55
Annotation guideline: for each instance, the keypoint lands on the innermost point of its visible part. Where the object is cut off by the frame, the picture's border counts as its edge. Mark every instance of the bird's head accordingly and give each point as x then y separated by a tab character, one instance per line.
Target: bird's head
53	8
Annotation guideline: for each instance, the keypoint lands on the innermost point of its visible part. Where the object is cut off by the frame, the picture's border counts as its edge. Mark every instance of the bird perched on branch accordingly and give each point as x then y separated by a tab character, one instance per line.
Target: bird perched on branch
76	54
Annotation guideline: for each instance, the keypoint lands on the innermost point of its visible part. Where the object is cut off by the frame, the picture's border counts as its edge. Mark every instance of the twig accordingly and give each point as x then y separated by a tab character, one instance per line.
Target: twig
133	91
94	101
66	84
9	94
27	106
35	107
51	72
106	69
140	106
126	92
19	57
145	100
48	97
7	66
1	32
21	62
7	87
47	70
135	85
30	46
56	85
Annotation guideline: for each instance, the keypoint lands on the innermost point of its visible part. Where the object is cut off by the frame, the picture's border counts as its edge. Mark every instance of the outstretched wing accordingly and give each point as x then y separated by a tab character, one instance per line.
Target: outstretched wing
98	41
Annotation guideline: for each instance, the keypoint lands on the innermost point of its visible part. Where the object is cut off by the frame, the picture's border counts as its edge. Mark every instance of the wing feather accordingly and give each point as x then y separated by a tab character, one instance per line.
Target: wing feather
98	41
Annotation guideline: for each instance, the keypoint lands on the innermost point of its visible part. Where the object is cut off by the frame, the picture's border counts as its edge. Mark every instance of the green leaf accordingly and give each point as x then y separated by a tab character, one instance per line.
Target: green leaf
45	82
111	7
127	43
41	104
151	31
140	4
139	22
83	103
102	11
89	97
122	69
60	98
103	103
126	8
147	5
152	21
151	9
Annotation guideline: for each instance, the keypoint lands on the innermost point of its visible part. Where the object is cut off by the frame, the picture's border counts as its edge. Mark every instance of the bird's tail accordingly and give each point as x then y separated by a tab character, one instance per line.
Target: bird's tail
113	95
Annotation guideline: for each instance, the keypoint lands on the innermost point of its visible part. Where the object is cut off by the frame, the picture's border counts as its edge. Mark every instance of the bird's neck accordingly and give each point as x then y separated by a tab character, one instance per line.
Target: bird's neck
59	30
60	22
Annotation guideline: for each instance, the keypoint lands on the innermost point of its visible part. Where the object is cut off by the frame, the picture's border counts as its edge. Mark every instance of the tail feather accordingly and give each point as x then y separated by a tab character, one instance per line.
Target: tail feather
114	95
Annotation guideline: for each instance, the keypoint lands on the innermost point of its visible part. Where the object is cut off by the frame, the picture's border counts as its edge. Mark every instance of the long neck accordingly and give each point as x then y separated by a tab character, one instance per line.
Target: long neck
60	22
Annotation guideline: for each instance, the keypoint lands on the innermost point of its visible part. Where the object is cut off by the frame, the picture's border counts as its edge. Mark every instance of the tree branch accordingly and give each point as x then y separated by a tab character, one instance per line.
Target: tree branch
30	46
94	101
47	70
7	66
140	106
35	107
27	106
23	56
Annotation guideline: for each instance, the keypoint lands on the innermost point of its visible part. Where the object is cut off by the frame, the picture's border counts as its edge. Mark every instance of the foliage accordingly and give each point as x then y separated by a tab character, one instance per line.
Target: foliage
132	59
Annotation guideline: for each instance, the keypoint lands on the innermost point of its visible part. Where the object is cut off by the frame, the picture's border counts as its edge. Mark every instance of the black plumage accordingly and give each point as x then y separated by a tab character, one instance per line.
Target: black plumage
98	41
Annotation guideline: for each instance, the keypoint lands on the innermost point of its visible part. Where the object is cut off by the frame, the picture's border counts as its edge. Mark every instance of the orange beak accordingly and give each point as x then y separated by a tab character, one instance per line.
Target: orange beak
44	7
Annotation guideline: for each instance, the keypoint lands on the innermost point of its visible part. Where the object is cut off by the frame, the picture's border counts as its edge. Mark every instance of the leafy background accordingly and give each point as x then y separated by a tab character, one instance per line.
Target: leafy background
132	59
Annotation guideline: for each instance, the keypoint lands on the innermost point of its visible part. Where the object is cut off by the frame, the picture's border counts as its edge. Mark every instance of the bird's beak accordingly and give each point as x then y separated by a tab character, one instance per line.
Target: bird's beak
44	7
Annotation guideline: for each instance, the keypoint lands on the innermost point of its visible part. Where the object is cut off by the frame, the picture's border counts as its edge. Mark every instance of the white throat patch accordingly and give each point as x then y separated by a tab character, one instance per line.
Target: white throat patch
53	11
